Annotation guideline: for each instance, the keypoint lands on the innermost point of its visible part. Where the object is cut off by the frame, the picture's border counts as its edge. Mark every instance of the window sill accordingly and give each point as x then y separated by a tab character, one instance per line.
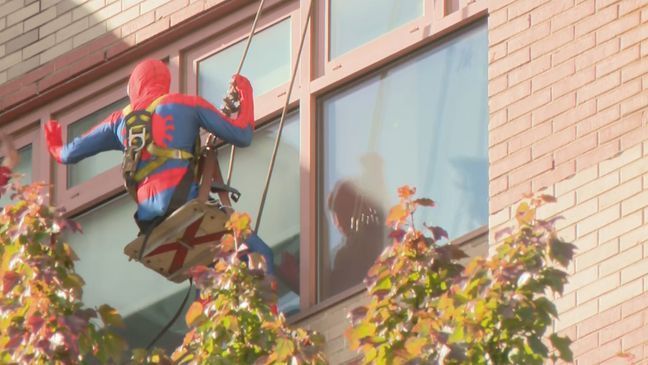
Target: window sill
359	288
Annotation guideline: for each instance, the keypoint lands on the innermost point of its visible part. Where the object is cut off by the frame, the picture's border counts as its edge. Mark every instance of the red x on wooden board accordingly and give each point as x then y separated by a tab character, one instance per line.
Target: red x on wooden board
182	246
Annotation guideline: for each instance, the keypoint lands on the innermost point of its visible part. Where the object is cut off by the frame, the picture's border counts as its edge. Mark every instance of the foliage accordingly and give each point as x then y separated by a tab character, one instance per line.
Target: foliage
235	320
426	308
42	318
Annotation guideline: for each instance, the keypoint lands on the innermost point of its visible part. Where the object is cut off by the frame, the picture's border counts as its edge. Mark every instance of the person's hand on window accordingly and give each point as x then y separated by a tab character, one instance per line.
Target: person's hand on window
54	139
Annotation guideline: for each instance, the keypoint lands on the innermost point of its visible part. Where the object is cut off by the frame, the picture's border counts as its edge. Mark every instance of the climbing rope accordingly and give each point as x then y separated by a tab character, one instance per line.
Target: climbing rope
283	119
238	70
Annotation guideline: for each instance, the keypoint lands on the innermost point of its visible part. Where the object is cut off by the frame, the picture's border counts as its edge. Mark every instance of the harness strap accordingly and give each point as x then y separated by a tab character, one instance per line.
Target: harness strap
139	127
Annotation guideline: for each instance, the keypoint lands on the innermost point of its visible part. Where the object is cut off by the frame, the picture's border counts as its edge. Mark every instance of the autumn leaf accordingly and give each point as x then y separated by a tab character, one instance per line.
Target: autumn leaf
414	345
110	317
194	316
425	202
397	215
239	223
9	281
284	349
406	191
524	214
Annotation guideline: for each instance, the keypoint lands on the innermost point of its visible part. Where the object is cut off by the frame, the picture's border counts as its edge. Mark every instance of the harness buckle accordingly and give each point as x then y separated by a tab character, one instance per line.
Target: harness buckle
137	138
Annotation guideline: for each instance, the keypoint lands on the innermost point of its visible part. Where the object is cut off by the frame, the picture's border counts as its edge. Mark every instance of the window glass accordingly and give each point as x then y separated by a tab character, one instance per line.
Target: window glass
280	222
422	122
94	165
24	168
144	298
352	25
267	64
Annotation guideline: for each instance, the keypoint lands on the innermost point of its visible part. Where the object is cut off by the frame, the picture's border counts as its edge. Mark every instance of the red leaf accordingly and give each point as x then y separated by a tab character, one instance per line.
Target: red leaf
397	234
5	175
34	323
548	198
425	202
437	232
9	281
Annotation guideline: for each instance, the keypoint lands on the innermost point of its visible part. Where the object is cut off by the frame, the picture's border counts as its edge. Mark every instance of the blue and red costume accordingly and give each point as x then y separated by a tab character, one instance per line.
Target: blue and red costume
176	123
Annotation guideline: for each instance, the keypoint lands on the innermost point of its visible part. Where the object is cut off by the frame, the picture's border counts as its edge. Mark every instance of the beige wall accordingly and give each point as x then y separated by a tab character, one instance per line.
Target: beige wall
35	32
568	98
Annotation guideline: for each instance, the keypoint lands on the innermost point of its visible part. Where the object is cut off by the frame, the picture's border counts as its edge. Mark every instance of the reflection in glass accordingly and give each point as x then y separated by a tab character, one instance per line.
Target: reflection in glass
353	25
143	297
267	64
94	165
280	223
24	168
422	122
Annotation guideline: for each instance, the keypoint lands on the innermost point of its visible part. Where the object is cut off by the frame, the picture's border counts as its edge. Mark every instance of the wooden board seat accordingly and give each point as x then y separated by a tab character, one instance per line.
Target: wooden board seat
181	241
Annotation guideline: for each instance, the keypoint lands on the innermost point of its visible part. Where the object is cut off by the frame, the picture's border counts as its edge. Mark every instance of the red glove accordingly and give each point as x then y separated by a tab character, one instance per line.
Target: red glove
54	139
246	111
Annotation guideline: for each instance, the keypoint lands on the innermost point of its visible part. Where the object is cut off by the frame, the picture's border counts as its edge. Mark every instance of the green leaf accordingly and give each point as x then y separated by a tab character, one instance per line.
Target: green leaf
110	317
545	305
457	335
537	346
284	349
561	251
562	345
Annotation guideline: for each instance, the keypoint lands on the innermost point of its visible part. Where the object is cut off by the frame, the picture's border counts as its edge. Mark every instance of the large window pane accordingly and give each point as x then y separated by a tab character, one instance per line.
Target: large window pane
146	299
95	165
267	64
356	22
24	168
422	122
280	222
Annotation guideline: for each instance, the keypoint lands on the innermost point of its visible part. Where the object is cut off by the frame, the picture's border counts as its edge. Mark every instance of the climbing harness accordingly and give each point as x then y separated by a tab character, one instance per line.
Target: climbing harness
139	126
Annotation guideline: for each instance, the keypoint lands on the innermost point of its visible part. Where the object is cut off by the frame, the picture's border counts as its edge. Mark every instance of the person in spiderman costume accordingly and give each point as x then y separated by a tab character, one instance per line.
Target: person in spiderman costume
176	123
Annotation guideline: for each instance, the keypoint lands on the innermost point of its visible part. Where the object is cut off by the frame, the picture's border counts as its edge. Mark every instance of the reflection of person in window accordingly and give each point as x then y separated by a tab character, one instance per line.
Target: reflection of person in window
360	220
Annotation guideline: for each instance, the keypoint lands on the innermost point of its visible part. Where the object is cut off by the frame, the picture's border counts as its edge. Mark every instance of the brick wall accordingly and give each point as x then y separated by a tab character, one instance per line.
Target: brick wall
568	97
45	42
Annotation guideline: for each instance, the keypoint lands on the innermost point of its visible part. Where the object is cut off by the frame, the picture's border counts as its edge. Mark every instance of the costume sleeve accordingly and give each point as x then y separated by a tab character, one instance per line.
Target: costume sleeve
101	138
228	129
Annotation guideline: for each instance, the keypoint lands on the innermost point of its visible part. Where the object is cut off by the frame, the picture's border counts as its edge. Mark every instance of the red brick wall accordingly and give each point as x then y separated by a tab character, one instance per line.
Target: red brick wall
568	97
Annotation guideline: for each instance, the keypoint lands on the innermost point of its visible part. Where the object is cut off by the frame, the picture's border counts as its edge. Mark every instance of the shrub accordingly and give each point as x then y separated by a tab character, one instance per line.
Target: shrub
426	308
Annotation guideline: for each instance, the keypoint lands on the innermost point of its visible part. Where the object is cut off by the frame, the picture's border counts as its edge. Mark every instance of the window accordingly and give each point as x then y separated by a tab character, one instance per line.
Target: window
267	64
97	164
78	187
280	221
144	298
354	23
422	122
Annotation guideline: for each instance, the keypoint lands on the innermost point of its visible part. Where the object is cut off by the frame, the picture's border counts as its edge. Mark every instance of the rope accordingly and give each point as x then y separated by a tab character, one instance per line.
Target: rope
238	70
283	119
172	321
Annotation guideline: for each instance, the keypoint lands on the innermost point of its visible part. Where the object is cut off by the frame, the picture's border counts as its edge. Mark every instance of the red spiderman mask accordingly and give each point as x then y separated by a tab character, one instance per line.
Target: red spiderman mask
150	79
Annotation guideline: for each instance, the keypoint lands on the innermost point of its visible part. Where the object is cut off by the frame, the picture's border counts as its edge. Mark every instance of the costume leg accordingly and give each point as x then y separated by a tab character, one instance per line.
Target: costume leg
256	244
